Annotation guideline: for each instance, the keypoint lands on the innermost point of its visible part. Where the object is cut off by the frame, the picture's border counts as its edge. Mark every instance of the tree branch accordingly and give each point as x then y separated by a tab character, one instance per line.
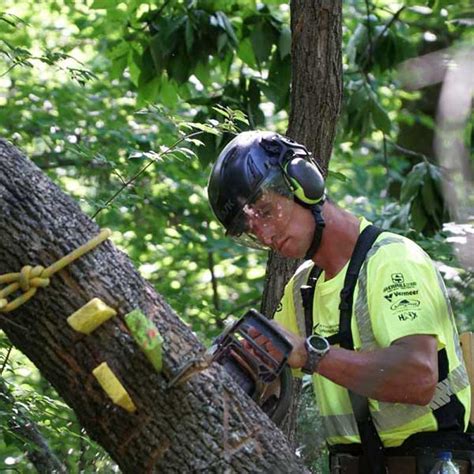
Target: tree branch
392	20
37	449
142	170
215	292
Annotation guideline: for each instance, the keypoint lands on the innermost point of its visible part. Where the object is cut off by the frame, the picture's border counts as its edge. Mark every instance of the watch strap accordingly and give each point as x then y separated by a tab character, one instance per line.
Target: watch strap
311	361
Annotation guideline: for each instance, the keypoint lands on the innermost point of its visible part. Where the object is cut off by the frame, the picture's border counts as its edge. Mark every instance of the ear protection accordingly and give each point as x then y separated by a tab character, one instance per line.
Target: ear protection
300	170
305	179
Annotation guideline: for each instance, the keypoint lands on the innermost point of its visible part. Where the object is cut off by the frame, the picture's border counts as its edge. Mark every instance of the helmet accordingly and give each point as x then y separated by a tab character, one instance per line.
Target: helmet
256	163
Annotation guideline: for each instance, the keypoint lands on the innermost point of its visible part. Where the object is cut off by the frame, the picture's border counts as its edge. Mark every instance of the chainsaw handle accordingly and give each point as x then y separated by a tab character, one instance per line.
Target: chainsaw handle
254	319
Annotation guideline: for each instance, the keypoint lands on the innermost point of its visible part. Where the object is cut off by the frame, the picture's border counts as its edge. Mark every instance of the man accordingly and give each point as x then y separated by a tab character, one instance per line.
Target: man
386	362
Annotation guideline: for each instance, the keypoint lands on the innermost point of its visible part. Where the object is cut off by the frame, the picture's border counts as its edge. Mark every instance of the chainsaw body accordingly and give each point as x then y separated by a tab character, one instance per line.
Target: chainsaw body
263	376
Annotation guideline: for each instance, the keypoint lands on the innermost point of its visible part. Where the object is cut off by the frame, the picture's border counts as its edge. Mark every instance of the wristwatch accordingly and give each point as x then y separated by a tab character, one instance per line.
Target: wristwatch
316	347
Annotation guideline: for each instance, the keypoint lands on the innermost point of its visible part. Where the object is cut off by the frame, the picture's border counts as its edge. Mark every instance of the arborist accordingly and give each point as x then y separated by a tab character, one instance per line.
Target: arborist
367	312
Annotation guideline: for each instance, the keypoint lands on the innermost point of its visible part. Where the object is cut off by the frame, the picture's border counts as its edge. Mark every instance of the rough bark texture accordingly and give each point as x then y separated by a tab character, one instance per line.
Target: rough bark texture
316	74
206	425
316	97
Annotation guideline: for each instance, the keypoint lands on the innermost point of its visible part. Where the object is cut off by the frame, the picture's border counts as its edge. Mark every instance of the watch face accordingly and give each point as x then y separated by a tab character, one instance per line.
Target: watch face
318	343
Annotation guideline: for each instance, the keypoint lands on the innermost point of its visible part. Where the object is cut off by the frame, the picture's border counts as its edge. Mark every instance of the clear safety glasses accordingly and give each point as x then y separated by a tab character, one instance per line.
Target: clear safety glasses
266	215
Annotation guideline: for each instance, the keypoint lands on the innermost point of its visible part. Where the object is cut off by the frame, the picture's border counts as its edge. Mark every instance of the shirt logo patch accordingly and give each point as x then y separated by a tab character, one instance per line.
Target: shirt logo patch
397	278
325	330
395	294
407	316
405	304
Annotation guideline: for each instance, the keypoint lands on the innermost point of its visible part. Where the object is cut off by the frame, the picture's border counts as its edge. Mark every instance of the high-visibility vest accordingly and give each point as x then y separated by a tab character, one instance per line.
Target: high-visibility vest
394	421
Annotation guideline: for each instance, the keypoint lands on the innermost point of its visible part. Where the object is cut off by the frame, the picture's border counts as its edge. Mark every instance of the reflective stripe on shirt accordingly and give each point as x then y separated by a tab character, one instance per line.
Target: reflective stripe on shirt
392	415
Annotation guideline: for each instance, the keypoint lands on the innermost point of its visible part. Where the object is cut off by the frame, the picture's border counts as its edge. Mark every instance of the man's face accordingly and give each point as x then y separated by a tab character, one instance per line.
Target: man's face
281	224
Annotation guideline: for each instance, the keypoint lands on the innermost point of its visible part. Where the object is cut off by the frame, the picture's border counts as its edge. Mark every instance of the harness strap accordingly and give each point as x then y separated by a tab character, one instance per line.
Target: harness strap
373	454
316	210
307	295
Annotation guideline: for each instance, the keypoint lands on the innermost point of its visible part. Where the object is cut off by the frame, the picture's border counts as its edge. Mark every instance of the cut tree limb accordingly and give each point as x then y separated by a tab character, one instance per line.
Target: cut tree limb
206	425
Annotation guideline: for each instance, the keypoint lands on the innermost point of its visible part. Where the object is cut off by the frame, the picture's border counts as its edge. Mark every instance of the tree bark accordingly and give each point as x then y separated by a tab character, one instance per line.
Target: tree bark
316	97
206	425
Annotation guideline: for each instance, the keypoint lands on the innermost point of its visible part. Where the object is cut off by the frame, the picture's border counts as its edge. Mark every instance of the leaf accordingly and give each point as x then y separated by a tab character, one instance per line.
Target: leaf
10	439
277	88
189	35
246	53
119	50
157	54
205	128
226	112
261	38
179	67
116	15
134	64
147	68
413	182
357	44
418	216
221	42
169	94
240	116
380	117
118	66
337	175
284	42
148	91
194	141
430	202
225	24
437	177
186	152
203	73
358	112
99	4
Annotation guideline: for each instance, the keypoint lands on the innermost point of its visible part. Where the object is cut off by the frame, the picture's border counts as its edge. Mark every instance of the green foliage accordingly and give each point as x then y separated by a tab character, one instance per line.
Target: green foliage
422	191
26	399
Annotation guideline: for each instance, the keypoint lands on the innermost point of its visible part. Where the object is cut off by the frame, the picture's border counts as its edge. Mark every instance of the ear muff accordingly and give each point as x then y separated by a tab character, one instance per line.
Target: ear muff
306	180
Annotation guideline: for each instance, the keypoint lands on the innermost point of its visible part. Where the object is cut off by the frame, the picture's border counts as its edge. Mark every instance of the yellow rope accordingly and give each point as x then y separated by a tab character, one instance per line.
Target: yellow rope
29	279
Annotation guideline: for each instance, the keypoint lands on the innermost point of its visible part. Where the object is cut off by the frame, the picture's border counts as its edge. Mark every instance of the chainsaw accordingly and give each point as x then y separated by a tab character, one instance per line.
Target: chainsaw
265	377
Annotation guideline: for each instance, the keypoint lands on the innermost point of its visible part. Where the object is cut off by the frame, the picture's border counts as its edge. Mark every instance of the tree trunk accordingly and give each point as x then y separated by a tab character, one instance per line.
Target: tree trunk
207	424
316	96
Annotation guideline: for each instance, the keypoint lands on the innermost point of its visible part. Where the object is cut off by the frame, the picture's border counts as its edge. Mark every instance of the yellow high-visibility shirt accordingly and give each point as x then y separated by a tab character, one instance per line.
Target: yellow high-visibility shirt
399	292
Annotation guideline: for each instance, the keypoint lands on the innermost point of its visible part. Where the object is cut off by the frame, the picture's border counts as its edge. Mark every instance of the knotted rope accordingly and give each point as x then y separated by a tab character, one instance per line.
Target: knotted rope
29	279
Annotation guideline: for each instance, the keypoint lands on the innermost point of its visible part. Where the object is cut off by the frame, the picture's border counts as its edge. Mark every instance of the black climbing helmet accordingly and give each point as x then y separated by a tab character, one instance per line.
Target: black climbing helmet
253	163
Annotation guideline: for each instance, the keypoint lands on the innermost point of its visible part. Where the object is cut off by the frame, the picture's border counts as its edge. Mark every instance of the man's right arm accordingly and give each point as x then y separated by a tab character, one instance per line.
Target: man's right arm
404	372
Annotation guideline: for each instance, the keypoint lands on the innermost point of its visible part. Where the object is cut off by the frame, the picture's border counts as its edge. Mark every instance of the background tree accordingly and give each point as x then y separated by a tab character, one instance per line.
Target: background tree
316	96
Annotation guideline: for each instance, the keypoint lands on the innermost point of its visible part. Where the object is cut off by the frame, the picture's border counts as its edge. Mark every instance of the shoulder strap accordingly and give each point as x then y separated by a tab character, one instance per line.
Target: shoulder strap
301	279
365	241
307	295
373	460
